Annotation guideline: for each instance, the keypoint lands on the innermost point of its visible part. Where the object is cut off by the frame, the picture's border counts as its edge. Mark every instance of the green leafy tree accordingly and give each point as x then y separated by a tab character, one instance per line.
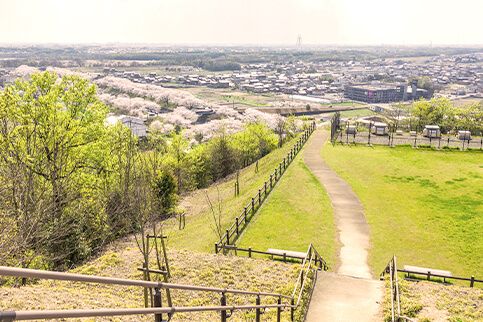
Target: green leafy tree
53	133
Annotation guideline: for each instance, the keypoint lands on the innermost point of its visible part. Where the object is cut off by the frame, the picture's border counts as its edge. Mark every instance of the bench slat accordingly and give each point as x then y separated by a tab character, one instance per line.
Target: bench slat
287	252
425	270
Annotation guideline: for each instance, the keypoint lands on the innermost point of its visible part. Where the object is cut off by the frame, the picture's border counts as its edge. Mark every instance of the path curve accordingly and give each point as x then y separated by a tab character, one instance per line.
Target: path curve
351	294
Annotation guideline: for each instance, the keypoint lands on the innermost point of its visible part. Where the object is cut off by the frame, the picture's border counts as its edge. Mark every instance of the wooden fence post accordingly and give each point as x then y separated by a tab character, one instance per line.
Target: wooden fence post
265	188
223	303
236	223
245	214
258	311
216	248
253	206
271	181
259	197
249	252
227	237
279	309
472	281
292	309
157	303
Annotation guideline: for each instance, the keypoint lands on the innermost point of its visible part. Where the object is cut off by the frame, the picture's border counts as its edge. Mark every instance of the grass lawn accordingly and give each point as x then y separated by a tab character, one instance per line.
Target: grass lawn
297	213
424	206
199	233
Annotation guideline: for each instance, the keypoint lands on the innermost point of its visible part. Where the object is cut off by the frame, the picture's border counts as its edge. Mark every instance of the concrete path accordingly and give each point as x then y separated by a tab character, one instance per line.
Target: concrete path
352	294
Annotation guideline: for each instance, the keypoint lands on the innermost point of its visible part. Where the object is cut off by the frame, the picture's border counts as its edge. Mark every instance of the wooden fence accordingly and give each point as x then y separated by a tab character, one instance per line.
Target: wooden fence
319	261
233	232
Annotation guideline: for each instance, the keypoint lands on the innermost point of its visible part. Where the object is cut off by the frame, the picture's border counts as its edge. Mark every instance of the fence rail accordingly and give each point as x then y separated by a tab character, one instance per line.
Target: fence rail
233	232
471	279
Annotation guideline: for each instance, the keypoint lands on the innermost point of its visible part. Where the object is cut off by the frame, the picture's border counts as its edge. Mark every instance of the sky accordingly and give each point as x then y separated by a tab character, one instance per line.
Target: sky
243	22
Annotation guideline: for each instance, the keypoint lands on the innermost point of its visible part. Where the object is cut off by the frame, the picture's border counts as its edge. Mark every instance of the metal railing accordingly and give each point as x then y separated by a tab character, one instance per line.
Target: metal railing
418	141
391	269
234	231
224	309
308	270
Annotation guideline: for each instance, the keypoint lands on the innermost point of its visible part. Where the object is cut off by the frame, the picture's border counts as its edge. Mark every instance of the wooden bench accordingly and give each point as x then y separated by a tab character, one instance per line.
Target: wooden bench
427	271
286	253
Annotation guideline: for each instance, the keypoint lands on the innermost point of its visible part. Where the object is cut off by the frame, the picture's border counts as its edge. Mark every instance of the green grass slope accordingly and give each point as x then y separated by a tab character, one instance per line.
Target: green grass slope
424	206
199	233
122	258
297	213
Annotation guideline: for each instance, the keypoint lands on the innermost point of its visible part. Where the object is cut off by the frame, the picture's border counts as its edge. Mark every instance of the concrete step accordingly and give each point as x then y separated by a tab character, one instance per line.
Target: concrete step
341	298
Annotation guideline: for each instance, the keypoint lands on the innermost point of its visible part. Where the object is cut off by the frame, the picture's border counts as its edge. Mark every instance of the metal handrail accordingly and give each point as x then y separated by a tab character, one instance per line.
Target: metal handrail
33	273
60	314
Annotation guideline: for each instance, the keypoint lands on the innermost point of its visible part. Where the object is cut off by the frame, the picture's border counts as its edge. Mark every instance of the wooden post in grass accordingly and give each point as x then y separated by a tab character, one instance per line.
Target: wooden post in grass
157	303
292	309
472	281
279	309
258	310
253	206
245	214
249	252
271	181
259	197
236	224
223	303
265	188
227	237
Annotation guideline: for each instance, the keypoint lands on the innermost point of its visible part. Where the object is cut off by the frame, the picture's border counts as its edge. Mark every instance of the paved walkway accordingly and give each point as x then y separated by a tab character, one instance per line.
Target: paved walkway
351	294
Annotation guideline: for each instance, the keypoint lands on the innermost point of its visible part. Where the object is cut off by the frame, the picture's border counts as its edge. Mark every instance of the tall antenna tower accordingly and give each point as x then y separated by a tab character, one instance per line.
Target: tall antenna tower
299	41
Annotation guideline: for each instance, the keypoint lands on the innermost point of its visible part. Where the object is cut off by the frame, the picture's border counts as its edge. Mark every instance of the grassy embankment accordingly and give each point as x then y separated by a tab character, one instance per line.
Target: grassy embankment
122	259
199	233
424	206
297	213
427	301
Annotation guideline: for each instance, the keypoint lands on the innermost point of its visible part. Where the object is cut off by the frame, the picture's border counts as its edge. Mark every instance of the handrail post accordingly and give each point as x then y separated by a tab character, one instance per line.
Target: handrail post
265	187
258	311
259	197
157	303
245	214
237	225
292	309
223	303
271	181
227	237
279	309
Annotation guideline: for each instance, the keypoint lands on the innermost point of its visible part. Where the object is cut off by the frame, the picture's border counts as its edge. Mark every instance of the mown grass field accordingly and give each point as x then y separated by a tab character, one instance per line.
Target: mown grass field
298	212
424	206
199	233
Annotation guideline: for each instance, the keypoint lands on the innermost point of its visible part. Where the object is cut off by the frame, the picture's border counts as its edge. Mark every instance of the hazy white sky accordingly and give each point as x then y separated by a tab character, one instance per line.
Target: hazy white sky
258	22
